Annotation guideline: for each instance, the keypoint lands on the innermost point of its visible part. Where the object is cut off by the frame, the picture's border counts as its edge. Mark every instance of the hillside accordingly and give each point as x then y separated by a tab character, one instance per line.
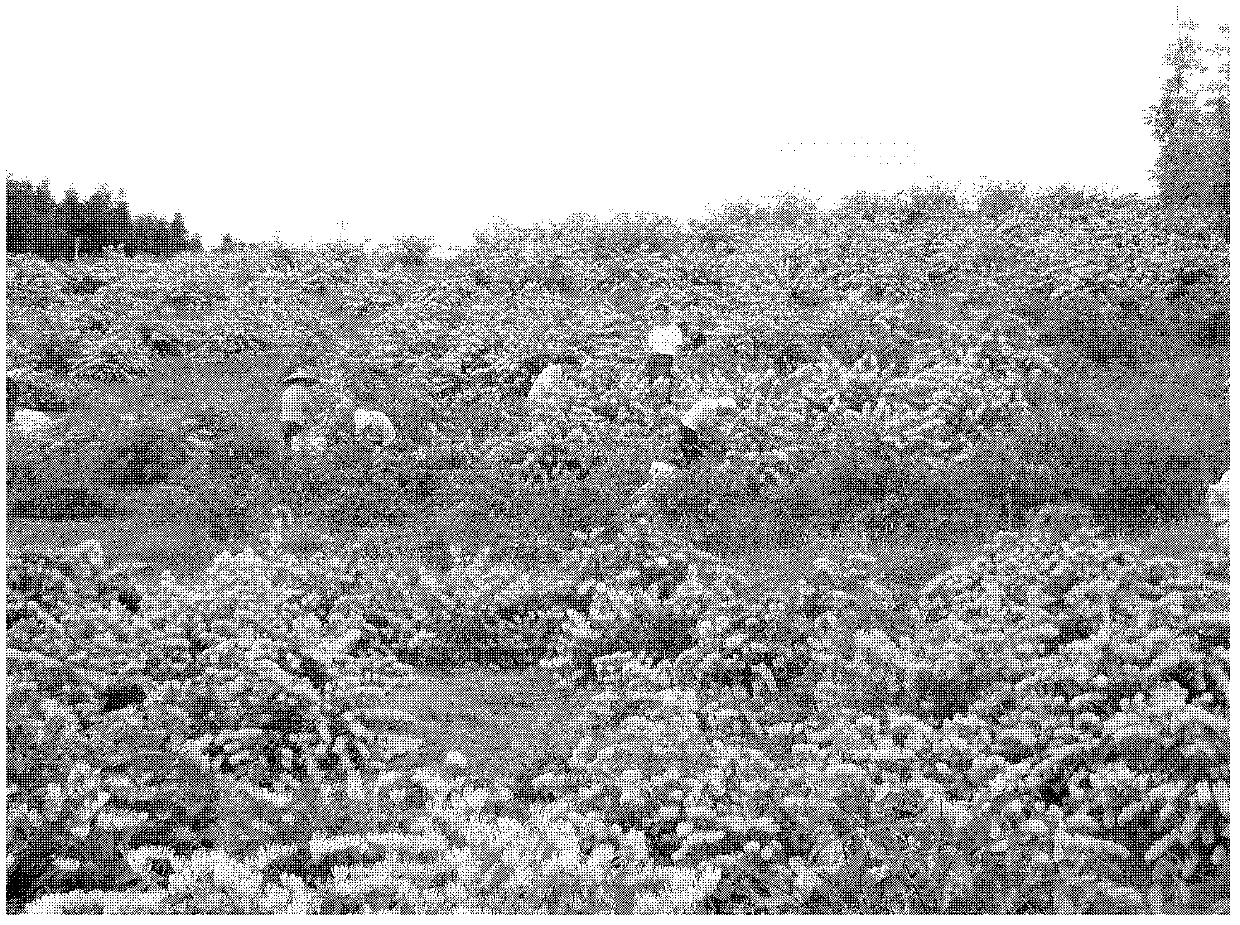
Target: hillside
936	623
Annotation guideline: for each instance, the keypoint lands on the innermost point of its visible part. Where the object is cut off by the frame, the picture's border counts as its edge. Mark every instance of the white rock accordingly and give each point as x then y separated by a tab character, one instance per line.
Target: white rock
31	423
1218	500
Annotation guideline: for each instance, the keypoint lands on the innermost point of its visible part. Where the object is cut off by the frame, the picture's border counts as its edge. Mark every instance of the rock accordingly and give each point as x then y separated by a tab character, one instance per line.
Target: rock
31	423
1218	501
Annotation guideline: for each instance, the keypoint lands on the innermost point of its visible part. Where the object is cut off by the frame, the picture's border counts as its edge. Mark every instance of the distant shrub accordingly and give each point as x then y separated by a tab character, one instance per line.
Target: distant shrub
636	590
998	199
59	480
80	469
407	842
1155	438
29	388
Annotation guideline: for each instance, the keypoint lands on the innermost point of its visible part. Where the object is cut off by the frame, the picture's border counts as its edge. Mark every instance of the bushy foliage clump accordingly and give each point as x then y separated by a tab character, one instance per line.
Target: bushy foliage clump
1074	693
631	588
1045	729
404	842
1048	725
77	469
159	701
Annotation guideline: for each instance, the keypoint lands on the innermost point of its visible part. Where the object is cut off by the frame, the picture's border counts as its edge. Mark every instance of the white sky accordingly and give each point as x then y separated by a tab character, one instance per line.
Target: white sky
435	118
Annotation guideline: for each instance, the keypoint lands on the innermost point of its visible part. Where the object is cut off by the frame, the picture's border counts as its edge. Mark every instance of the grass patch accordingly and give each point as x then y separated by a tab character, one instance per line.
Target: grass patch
507	724
143	532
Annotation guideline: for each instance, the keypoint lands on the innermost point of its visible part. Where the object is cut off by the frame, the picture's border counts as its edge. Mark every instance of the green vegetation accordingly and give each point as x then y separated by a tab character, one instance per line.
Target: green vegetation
937	624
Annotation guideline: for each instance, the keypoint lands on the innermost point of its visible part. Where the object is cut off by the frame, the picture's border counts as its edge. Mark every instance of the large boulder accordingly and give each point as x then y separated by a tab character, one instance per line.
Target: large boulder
31	423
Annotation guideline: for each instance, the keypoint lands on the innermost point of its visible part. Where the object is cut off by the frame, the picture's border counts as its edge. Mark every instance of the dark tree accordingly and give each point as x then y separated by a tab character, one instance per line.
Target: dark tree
163	244
178	237
44	232
1194	136
18	215
98	217
73	218
120	226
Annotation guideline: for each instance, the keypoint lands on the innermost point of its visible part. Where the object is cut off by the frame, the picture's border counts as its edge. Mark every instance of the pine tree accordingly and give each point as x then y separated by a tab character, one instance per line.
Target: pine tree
18	215
73	217
178	238
163	238
50	238
1218	119
98	213
121	230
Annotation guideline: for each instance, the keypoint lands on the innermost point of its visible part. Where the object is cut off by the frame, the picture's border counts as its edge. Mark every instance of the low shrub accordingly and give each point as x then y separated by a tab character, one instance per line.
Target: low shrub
239	676
1074	694
1155	437
405	842
29	388
632	588
79	469
59	480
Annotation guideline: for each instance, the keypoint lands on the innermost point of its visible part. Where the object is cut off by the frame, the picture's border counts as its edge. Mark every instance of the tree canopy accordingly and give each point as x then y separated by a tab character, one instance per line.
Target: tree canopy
1192	123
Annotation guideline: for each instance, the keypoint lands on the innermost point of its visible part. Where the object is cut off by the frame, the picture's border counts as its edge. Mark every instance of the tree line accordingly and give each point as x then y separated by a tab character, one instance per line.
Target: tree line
36	222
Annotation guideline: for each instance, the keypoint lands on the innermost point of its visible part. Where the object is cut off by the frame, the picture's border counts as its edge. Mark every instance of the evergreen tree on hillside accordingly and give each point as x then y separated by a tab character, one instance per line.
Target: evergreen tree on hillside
178	238
98	211
120	225
1218	110
73	218
163	237
1194	136
47	232
19	214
